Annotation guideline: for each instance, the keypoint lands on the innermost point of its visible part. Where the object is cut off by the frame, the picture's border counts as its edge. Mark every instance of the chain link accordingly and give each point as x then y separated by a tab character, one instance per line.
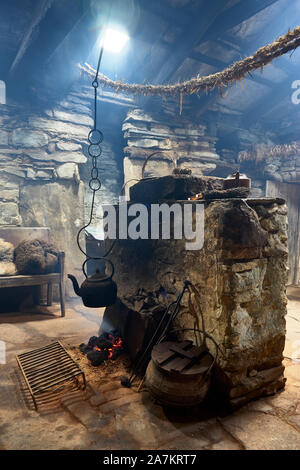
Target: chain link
95	138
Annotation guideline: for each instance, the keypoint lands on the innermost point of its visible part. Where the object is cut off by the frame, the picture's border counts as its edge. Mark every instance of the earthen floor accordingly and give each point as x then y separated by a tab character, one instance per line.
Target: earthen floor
110	417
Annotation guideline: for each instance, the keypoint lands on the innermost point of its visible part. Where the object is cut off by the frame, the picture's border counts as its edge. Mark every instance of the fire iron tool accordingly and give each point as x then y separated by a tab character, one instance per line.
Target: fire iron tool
128	381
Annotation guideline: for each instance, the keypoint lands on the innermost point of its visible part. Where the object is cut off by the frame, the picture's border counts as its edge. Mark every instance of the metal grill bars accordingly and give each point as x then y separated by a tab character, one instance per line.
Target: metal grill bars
48	367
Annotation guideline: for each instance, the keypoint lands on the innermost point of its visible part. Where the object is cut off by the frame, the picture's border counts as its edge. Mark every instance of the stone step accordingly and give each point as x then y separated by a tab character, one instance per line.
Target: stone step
85	414
118	403
115	394
98	399
113	385
101	398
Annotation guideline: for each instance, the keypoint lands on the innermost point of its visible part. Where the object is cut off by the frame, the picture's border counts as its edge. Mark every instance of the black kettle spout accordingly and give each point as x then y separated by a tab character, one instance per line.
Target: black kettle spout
75	284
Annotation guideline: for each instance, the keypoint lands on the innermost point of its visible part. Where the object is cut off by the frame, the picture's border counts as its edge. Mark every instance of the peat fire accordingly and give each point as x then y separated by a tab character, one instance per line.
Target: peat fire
102	348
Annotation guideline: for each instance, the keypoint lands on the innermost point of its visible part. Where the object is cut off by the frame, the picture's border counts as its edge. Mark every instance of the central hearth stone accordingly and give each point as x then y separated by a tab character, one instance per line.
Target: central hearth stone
239	279
172	187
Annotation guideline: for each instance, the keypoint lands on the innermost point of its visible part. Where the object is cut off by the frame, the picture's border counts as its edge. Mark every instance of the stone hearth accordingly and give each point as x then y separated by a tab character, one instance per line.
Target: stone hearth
239	276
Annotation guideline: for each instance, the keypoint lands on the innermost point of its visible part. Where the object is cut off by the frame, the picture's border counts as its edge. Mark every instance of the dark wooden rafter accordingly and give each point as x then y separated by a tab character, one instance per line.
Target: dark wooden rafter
49	27
229	19
270	100
212	22
188	40
205	59
277	93
265	35
166	12
235	15
39	13
176	17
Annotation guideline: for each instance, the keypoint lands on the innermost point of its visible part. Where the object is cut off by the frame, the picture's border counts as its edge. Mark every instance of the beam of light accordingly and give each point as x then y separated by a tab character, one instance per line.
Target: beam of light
114	40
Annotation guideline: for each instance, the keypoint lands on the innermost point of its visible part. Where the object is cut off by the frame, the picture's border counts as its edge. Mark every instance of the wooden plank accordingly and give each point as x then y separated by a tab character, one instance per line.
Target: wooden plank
62	289
164	10
188	40
39	13
241	11
26	280
201	367
49	294
177	364
162	352
278	92
212	24
194	353
232	17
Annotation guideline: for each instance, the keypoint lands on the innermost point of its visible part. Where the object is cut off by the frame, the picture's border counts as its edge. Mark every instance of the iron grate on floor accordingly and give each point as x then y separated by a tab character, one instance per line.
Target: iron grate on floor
47	368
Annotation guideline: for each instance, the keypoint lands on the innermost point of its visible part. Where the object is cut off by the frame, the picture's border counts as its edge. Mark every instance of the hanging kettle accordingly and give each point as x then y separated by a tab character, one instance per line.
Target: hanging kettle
98	290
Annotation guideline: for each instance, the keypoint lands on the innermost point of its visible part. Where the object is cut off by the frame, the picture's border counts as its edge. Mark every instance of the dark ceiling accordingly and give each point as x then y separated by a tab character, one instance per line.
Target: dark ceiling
42	41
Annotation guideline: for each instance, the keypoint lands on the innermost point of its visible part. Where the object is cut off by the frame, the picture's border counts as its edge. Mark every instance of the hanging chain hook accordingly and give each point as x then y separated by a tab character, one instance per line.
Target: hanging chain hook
95	138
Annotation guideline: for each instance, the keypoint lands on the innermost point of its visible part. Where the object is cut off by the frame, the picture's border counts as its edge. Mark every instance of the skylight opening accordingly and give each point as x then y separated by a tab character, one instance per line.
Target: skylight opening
114	40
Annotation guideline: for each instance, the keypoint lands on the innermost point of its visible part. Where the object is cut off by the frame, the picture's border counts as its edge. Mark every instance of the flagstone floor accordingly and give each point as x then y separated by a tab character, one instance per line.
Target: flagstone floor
110	417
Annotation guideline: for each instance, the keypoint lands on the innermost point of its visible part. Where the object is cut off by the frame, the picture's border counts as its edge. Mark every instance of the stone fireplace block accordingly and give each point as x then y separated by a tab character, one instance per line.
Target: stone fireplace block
239	279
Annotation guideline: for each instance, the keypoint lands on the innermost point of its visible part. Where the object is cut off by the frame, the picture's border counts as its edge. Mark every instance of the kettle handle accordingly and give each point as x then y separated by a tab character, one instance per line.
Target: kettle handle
105	278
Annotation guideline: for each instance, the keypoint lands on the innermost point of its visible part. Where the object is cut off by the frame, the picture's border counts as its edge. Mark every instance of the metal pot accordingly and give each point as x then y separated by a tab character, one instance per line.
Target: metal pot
98	290
237	180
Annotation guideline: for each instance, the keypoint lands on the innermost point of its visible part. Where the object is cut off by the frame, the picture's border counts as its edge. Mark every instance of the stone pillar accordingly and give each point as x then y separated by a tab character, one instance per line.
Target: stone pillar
239	281
178	140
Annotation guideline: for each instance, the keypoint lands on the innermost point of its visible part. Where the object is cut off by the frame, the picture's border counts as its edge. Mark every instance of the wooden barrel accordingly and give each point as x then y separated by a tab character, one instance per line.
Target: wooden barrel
179	373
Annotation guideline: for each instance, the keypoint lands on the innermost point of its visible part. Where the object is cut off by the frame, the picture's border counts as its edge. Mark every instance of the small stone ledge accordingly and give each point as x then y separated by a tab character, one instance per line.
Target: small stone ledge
265	201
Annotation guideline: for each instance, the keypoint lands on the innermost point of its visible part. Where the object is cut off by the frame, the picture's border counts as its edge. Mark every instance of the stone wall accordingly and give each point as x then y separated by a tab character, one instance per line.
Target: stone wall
45	170
182	143
40	156
283	168
252	155
239	279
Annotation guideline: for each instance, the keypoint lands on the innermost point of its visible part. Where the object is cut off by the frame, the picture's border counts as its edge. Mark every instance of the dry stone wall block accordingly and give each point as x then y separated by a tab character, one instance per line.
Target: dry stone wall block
27	138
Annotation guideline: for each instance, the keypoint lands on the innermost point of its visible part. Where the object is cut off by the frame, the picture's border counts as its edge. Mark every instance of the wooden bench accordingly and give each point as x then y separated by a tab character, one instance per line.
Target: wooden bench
15	235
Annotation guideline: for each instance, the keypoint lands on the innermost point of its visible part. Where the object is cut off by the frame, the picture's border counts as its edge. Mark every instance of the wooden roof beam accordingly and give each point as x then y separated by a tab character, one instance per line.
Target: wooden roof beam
229	19
188	40
163	10
39	13
235	15
270	100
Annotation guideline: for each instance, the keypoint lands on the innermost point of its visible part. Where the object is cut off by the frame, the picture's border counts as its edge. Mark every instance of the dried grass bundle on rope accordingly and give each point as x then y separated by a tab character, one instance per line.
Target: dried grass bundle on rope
236	72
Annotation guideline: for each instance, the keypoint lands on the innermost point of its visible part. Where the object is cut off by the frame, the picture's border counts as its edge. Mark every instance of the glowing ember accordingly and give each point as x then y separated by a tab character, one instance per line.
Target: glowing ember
102	348
116	346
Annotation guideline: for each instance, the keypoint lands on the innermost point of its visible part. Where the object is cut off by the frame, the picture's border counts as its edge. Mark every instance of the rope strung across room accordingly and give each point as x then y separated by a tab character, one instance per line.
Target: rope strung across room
236	72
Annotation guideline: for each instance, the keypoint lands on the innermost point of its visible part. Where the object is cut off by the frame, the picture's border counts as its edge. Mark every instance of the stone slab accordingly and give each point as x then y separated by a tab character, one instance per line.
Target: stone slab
260	431
68	171
28	138
9	214
58	127
3	137
85	414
